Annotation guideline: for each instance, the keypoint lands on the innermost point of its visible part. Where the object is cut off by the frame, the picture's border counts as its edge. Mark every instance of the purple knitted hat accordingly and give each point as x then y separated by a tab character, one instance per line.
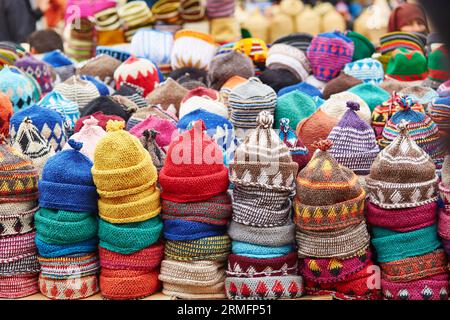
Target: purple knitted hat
329	53
39	70
354	143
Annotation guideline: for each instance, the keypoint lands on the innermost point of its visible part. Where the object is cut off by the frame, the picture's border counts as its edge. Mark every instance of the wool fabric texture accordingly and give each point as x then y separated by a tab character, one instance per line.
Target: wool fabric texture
228	65
169	95
432	288
341	83
100	117
154	45
283	56
49	250
18	286
69	109
278	79
192	273
444	223
64	268
102	88
251	250
202	92
17	218
302	87
39	70
127	238
354	144
193	179
204	103
70	289
336	106
214	248
367	70
328	53
180	230
372	94
193	292
437	67
6	111
101	66
77	90
132	92
422	95
440	113
110	105
166	129
363	46
392	245
294	106
142	113
17	87
407	65
215	210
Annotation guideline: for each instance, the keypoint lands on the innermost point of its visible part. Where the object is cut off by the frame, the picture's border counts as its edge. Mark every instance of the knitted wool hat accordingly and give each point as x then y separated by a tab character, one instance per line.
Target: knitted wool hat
6	111
183	176
302	87
125	177
278	79
17	88
50	124
36	89
263	160
294	106
317	126
50	250
299	152
192	49
218	9
110	105
440	113
228	87
341	83
63	189
367	70
225	66
153	45
298	40
17	218
169	95
247	100
437	67
157	154
214	248
363	47
192	10
187	74
327	189
181	230
354	143
135	15
166	129
371	94
395	40
137	71
116	52
30	143
422	95
283	56
100	117
204	103
18	286
142	113
421	129
39	70
101	66
254	48
69	109
202	92
403	175
329	53
77	90
133	93
407	65
128	284
62	65
336	106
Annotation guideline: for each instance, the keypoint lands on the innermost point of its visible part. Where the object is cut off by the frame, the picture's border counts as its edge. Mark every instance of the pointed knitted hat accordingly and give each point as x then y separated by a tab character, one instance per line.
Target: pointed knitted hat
329	195
69	109
403	174
299	152
194	169
32	144
77	90
66	182
263	160
354	144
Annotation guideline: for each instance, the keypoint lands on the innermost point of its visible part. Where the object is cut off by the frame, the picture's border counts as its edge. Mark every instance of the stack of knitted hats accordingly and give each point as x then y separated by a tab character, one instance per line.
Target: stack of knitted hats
108	27
19	267
129	207
444	210
263	263
67	226
80	39
196	209
135	15
332	237
403	212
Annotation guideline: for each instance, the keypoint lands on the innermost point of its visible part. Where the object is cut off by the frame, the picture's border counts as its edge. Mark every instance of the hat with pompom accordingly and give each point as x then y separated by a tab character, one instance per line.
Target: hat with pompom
336	106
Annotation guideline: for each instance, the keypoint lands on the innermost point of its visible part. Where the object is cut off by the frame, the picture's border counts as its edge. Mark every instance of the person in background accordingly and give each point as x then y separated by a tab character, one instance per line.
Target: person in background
408	17
44	41
55	13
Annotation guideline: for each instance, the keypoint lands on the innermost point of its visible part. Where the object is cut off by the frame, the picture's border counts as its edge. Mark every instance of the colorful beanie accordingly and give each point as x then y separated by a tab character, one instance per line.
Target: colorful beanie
336	106
166	129
283	56
169	95
101	67
177	185
69	109
205	103
367	70
6	112
254	48
50	124
77	90
363	47
421	95
39	70
153	45
407	65
192	49
440	113
372	94
437	67
341	83
294	106
329	53
17	88
354	143
403	175
137	71
396	40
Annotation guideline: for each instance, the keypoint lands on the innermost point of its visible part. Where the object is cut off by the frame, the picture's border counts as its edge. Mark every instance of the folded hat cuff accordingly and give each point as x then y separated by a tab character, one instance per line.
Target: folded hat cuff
216	291
251	250
49	250
187	189
19	223
335	216
273	236
209	248
70	267
146	259
68	289
127	284
391	245
402	220
18	286
432	288
192	273
68	197
444	224
179	230
242	266
284	287
330	270
13	248
147	207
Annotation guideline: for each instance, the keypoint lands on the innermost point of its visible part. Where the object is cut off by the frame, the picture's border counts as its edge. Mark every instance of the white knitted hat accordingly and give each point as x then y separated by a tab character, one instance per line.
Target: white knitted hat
205	103
284	56
336	106
78	90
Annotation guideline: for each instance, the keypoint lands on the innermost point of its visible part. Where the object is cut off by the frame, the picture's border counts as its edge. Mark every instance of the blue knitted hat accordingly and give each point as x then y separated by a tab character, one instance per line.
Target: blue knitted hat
50	124
184	230
302	87
101	87
367	70
48	250
55	101
62	65
113	52
67	183
17	87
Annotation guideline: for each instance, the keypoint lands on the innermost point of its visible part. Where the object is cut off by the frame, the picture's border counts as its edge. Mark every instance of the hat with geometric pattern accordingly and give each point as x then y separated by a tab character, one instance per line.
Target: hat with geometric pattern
17	87
69	109
367	70
39	70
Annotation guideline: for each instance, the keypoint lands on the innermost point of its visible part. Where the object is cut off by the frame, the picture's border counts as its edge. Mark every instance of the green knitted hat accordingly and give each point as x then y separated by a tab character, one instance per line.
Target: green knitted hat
373	95
407	65
363	47
295	106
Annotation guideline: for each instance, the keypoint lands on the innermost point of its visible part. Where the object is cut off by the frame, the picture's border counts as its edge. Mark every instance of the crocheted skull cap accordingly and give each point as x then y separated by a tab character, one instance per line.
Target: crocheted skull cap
263	160
403	175
194	169
121	164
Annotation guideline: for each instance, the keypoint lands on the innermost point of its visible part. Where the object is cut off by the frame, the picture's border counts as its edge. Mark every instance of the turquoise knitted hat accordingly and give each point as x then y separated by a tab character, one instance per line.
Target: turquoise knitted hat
294	106
371	94
69	109
256	251
17	87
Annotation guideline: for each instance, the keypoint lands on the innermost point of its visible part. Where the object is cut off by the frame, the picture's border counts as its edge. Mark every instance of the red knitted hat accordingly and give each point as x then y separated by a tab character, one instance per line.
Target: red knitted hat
6	111
138	71
194	169
100	116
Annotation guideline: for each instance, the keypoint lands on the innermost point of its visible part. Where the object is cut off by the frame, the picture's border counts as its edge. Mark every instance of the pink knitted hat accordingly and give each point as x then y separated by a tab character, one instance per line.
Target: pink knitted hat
444	224
90	134
167	129
432	288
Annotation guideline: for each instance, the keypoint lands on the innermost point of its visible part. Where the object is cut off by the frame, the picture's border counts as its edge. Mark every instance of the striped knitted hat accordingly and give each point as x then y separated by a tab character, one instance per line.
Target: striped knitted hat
283	56
421	94
166	11
77	90
247	100
107	20
220	8
403	175
354	144
407	65
367	70
440	113
135	15
395	40
192	10
329	195
153	45
263	160
69	109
